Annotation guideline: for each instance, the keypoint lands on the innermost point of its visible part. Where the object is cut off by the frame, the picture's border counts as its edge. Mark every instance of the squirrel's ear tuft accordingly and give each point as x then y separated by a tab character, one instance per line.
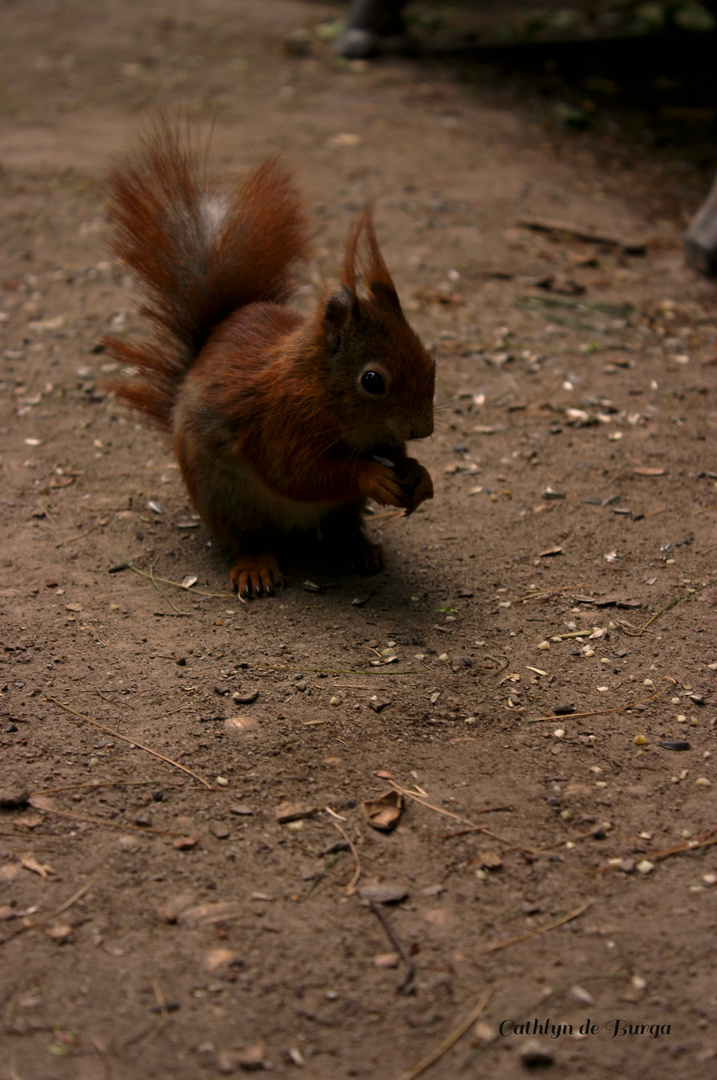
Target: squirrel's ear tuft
362	253
385	295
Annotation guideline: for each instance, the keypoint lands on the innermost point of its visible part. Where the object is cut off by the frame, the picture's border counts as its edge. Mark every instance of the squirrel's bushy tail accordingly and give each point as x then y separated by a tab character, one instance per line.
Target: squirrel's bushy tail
200	251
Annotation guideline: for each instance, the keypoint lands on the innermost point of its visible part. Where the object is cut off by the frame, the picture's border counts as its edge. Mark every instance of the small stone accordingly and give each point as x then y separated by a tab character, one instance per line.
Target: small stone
641	740
222	781
218	960
645	867
534	1055
220	830
377	703
386	960
171	909
13	795
335	700
59	932
490	860
384	894
581	995
144	821
242	809
245	697
251	1057
185	843
702	781
544	646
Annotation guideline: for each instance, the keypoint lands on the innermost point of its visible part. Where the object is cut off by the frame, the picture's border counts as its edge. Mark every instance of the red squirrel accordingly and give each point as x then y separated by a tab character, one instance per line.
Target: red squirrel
280	423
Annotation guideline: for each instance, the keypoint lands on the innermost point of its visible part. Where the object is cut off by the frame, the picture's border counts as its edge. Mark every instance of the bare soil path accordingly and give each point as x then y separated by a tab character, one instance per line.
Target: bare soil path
157	918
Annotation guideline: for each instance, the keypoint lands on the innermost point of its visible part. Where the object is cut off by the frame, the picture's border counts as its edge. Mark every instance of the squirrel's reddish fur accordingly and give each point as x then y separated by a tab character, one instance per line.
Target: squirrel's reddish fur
277	419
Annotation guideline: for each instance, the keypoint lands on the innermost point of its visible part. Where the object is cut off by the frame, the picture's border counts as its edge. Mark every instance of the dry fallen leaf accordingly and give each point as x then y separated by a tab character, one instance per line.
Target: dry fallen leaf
30	863
491	860
209	914
239	724
385	811
288	811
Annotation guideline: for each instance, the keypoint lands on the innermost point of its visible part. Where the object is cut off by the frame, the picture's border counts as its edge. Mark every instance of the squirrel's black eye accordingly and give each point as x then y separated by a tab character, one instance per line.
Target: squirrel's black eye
372	382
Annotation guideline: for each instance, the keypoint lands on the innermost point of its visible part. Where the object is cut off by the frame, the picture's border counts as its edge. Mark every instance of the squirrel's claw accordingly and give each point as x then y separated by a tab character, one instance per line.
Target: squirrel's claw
255	575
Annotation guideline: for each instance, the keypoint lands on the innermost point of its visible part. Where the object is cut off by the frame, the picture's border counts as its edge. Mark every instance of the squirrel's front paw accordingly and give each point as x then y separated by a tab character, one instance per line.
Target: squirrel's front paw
416	484
253	575
380	483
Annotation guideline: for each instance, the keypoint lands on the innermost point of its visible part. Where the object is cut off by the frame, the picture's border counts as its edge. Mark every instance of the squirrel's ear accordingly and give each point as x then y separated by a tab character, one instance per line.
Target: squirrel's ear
340	307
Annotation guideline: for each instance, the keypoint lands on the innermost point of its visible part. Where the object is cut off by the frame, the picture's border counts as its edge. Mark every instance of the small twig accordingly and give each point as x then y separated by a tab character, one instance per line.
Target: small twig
351	887
692	845
705	841
323	874
79	536
90	820
355	686
104	1056
100	693
405	986
126	738
167	581
449	1041
337	671
474	828
160	998
603	712
566	840
30	924
386	519
96	785
429	806
164	596
542	594
685	596
534	933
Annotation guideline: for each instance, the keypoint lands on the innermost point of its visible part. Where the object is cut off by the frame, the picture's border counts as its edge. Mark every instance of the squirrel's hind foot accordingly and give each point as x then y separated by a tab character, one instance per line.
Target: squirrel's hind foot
366	557
256	575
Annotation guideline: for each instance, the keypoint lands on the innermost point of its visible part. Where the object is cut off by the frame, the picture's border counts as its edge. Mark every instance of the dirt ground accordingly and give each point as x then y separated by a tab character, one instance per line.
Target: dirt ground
526	669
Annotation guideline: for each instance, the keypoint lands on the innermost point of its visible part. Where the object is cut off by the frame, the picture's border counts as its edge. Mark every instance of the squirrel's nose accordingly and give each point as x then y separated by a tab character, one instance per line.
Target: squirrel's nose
423	430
